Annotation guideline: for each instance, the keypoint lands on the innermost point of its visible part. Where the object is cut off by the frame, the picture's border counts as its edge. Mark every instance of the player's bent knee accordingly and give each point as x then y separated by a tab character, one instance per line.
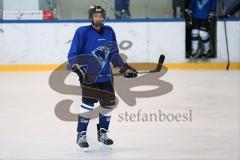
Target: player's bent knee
204	34
86	110
195	32
106	110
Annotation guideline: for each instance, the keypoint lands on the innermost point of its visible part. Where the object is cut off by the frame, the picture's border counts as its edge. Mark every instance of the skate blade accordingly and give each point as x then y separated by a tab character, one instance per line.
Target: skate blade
205	60
82	149
104	146
193	60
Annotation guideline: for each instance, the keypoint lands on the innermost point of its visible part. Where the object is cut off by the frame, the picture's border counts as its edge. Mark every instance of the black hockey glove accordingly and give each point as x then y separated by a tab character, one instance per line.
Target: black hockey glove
188	13
81	72
211	16
188	16
128	71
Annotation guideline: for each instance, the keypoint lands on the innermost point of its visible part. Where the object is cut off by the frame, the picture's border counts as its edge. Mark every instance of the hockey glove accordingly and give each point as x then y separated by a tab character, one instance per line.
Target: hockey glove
81	72
188	16
188	13
128	71
211	16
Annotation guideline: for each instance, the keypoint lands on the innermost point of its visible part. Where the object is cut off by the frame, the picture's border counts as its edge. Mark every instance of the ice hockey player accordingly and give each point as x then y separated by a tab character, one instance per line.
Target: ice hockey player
202	12
90	49
232	11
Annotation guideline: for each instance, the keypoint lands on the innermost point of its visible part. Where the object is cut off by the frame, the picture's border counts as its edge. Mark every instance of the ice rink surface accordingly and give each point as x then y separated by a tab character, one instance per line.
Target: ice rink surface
30	129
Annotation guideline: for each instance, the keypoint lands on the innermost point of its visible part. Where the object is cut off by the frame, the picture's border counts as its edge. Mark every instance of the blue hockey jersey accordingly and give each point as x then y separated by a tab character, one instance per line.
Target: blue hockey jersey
201	8
95	50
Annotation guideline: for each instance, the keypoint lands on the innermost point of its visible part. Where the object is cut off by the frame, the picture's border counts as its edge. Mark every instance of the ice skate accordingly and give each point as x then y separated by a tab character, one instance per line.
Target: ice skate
82	143
103	139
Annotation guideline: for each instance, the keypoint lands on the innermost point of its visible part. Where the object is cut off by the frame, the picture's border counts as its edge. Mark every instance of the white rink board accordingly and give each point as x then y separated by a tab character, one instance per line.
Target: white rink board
30	129
48	43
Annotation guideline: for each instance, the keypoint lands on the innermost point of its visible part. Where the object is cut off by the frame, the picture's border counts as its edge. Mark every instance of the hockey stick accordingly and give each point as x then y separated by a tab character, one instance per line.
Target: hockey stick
157	69
226	38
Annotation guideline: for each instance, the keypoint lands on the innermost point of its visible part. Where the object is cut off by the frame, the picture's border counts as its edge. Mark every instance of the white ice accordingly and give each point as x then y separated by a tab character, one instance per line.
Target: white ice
29	128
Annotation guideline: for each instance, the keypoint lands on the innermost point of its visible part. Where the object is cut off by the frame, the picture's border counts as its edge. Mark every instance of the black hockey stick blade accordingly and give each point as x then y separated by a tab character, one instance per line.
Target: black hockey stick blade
160	64
157	69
